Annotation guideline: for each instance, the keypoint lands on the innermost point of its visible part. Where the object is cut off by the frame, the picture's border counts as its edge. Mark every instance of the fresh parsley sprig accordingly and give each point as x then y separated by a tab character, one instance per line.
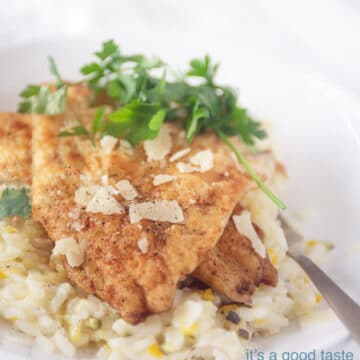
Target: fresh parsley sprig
40	99
144	101
15	202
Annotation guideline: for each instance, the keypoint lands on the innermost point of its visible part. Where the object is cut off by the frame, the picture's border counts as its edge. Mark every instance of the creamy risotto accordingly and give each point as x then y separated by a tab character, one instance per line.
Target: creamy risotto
38	299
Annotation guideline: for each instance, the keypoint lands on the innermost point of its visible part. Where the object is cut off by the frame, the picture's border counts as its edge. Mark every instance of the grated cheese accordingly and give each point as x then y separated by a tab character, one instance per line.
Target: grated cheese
162	179
158	148
179	154
161	210
85	193
77	226
245	227
143	245
73	251
108	142
204	159
103	202
186	168
126	190
126	147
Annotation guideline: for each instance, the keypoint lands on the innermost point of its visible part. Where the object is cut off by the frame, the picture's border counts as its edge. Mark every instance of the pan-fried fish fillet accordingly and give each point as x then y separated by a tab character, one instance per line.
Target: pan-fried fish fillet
234	268
15	148
114	267
225	262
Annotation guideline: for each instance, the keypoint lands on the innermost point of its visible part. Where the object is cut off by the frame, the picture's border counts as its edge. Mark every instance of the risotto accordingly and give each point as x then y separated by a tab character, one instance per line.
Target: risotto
38	299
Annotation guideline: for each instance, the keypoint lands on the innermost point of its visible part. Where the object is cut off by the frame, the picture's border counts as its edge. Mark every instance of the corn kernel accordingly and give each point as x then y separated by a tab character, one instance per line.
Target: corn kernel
75	333
189	330
208	295
311	243
154	350
273	256
10	229
2	275
93	323
260	321
318	298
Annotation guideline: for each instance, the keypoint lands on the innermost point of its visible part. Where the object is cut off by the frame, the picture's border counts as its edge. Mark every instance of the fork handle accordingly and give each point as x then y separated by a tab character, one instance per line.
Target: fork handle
346	309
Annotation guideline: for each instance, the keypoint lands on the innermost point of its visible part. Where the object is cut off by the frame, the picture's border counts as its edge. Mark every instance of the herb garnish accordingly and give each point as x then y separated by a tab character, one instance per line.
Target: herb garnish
15	202
81	130
40	99
144	101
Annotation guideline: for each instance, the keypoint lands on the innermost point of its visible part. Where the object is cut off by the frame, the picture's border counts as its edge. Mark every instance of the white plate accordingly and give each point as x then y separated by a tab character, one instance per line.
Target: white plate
316	127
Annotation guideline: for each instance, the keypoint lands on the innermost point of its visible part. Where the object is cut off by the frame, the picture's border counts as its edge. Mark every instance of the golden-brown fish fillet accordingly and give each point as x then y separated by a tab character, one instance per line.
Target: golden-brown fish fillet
233	267
114	267
219	263
15	148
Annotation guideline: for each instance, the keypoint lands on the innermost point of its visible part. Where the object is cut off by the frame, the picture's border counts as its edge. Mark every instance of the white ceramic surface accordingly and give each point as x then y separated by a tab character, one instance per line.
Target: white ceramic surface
314	124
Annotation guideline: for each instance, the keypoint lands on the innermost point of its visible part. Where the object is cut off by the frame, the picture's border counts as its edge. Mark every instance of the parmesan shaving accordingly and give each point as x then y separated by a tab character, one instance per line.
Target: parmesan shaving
143	245
77	226
245	227
84	194
204	159
179	154
126	190
186	168
158	148
162	179
73	251
108	142
126	147
103	202
161	210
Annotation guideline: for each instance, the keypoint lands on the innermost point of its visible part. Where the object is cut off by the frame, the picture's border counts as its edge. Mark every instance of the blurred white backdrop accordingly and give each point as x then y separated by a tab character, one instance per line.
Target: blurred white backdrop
319	35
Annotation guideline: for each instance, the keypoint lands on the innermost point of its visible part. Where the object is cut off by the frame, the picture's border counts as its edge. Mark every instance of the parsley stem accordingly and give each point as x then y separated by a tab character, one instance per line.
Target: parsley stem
250	170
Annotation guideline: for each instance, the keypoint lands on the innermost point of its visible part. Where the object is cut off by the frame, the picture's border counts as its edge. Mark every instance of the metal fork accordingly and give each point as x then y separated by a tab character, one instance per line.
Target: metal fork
346	309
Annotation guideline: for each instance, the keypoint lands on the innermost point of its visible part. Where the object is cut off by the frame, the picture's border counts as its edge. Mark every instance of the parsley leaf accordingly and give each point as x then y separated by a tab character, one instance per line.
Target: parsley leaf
41	100
136	121
81	130
15	202
54	70
203	68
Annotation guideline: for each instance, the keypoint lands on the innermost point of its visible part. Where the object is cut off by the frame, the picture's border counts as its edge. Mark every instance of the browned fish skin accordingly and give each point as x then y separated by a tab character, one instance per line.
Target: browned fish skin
15	148
233	268
114	268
